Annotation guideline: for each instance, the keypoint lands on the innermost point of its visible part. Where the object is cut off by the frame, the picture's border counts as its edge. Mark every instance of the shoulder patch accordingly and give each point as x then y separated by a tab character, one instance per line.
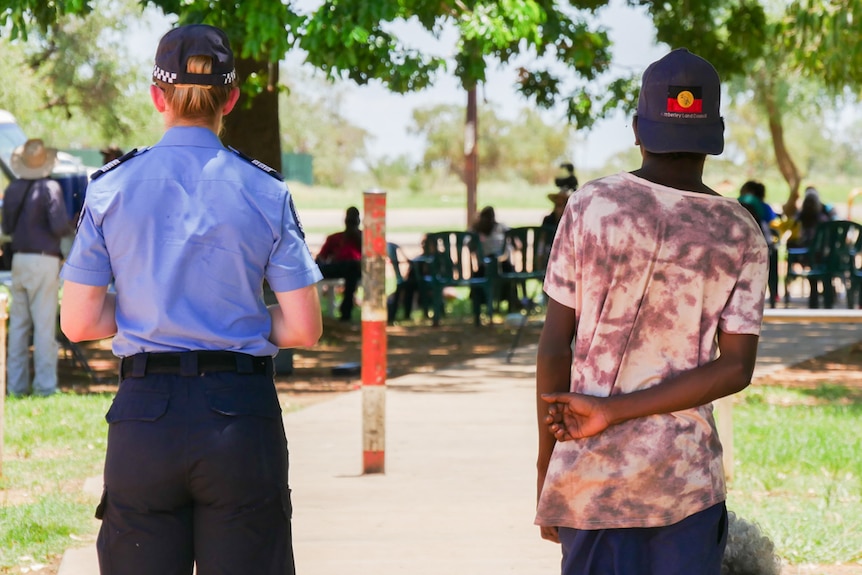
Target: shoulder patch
257	164
296	217
114	163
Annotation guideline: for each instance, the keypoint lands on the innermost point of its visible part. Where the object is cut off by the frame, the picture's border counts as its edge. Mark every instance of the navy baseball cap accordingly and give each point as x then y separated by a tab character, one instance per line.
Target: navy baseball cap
178	45
678	106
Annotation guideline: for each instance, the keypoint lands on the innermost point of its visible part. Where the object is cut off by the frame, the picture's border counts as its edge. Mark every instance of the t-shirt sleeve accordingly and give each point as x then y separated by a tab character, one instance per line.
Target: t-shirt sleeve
88	262
561	274
291	265
743	313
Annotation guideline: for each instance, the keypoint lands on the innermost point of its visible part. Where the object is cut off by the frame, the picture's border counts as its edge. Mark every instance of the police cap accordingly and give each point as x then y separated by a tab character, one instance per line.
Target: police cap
178	45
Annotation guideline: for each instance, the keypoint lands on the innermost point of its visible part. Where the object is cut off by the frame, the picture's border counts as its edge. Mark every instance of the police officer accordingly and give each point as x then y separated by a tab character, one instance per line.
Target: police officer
187	231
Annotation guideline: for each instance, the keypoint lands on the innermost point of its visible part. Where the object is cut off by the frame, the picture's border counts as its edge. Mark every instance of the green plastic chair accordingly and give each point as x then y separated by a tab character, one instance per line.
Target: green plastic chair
456	259
830	256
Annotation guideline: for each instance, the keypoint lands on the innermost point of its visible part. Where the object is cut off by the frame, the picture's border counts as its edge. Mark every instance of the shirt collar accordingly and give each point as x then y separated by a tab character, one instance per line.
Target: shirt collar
190	136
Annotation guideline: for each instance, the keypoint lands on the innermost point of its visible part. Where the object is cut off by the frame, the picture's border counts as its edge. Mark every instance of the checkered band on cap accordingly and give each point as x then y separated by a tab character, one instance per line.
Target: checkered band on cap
164	75
173	78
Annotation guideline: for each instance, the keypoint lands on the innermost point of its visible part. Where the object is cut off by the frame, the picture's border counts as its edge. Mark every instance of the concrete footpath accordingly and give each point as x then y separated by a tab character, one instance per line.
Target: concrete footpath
458	494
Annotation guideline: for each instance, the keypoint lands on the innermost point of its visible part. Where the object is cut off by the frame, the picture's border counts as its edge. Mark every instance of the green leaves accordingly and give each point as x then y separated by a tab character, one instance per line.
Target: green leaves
501	24
350	39
728	33
824	38
24	15
358	40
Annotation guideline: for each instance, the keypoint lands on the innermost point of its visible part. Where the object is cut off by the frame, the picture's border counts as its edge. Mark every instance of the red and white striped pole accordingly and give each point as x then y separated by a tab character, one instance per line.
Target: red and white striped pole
374	332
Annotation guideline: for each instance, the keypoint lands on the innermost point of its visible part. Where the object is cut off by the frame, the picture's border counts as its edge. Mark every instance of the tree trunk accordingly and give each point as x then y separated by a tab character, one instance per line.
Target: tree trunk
252	127
786	165
471	154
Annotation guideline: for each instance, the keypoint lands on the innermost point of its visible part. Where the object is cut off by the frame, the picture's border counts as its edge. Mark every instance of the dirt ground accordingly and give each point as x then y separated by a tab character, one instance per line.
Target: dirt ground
418	348
840	367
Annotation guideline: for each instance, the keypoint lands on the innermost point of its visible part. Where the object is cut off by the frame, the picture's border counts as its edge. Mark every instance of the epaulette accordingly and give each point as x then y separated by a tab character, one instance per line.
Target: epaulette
116	162
258	164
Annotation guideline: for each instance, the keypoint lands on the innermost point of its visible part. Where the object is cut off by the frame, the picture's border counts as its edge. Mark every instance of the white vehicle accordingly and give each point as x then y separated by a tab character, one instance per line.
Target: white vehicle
11	136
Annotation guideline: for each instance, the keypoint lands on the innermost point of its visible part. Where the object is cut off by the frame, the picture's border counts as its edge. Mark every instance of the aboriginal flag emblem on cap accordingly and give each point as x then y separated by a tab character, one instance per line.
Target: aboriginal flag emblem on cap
685	99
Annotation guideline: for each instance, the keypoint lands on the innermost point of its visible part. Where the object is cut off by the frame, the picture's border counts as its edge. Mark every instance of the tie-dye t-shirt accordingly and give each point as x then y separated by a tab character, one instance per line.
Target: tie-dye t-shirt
652	273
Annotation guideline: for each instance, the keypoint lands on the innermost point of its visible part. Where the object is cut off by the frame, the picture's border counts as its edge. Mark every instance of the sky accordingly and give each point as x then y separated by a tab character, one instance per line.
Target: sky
385	116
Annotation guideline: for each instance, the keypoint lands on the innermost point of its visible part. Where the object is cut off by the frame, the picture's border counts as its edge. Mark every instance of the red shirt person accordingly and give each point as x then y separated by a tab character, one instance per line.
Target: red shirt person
341	257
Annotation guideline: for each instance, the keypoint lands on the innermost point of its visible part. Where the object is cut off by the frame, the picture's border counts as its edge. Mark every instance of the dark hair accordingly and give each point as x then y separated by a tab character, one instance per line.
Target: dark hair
754	188
810	211
351	217
486	220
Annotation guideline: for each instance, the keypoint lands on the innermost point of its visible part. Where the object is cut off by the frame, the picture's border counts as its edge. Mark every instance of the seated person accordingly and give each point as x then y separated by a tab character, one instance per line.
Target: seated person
752	195
492	235
803	227
341	257
407	292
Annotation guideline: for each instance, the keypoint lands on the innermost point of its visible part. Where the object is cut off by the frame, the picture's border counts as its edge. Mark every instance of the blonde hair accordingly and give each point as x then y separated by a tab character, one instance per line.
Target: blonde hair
193	101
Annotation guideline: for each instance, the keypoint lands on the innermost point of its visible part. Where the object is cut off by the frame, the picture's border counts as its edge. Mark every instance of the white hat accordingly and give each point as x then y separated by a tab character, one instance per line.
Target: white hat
33	160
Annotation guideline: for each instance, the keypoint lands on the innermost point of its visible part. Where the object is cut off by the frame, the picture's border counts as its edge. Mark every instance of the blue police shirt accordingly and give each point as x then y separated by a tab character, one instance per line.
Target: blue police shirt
188	230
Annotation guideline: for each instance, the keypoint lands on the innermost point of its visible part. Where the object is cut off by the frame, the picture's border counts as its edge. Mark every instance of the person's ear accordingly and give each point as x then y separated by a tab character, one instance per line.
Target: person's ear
635	130
158	97
231	101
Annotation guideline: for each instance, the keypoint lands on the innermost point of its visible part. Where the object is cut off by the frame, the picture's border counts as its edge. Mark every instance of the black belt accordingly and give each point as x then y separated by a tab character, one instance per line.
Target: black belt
193	363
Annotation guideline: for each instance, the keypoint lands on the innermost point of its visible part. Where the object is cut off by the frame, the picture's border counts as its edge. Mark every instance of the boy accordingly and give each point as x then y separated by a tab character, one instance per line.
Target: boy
652	273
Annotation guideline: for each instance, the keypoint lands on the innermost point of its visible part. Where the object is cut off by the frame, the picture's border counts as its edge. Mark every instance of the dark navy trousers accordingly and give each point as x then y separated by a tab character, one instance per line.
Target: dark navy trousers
196	472
694	545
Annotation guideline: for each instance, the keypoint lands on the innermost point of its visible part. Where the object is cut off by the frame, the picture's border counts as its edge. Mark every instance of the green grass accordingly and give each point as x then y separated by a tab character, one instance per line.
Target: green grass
51	446
42	529
798	470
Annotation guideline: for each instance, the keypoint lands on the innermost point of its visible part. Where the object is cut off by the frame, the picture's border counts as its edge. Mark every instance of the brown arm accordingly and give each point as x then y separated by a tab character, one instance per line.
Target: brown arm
553	373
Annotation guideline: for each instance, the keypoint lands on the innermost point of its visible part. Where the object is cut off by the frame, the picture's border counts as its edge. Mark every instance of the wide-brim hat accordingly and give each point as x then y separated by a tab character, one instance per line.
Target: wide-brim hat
560	197
33	160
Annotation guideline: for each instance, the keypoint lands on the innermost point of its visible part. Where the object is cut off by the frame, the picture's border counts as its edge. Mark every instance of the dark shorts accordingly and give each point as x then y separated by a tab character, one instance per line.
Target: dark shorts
695	545
196	473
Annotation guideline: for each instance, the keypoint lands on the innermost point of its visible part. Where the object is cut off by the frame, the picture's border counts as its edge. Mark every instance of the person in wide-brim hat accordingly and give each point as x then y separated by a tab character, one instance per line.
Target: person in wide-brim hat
33	160
560	197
